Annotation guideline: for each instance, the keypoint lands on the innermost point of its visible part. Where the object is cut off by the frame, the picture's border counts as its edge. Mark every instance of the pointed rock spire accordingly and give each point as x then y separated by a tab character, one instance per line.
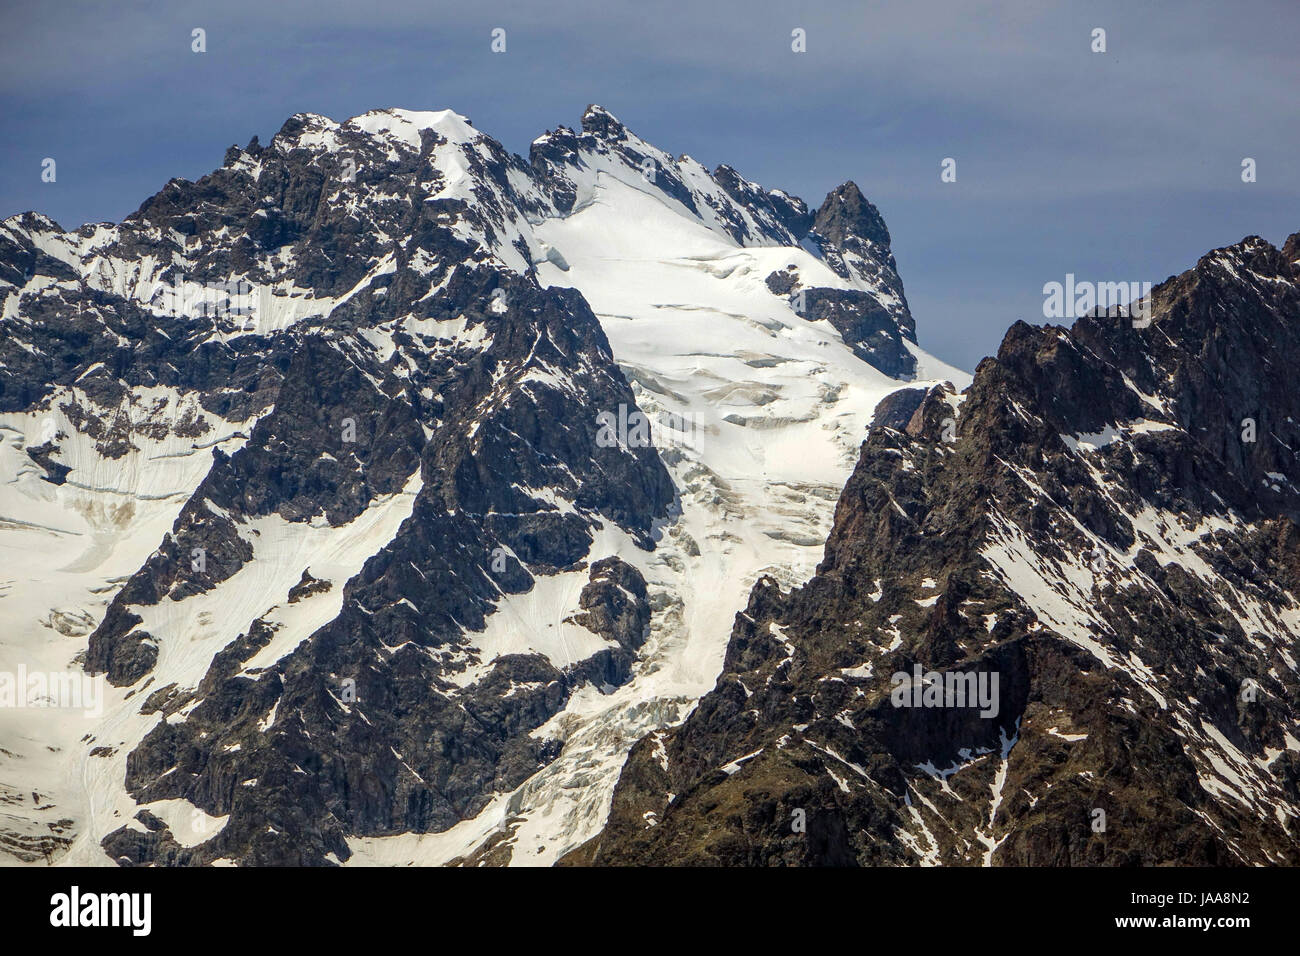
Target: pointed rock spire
847	213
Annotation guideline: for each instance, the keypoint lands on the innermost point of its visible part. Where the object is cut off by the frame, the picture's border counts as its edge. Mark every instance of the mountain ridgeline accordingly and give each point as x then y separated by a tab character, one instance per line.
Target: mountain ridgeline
413	502
1102	529
309	447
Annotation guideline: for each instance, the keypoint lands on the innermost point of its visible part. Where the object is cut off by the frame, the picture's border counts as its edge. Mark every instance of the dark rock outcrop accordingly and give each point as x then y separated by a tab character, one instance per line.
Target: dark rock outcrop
1095	523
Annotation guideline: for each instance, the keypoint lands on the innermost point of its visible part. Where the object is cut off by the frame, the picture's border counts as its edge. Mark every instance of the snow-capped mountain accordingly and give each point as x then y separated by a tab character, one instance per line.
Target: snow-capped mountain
1057	621
391	486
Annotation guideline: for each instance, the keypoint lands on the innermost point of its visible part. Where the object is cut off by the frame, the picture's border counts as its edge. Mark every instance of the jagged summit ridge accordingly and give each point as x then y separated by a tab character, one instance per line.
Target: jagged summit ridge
1104	521
381	158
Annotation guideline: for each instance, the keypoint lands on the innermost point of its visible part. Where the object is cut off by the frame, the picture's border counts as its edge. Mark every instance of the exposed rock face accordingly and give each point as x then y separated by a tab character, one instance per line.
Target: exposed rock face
307	586
850	235
434	375
1106	523
345	434
847	219
766	204
615	605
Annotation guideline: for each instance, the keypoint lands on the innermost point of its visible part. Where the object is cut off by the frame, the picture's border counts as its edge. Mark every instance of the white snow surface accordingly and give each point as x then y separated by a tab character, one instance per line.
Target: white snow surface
67	550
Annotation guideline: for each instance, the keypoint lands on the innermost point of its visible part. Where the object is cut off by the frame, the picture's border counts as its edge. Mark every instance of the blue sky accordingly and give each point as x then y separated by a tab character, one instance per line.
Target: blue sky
1116	166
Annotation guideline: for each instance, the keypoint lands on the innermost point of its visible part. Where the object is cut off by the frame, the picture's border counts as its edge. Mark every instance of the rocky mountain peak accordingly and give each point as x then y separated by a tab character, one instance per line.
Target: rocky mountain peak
600	122
300	124
846	214
1103	524
1291	248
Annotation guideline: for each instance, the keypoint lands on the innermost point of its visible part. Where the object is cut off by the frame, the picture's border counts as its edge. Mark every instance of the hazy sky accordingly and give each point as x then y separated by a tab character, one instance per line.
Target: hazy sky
1116	166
